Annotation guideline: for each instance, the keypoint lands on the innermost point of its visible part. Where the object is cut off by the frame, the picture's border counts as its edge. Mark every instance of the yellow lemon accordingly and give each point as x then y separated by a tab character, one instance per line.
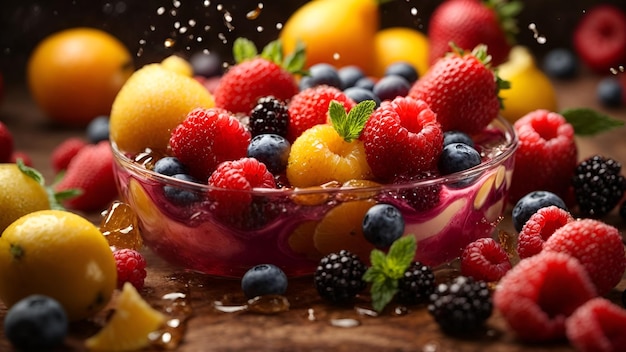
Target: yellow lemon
58	254
530	88
151	104
397	44
21	192
128	329
75	74
178	64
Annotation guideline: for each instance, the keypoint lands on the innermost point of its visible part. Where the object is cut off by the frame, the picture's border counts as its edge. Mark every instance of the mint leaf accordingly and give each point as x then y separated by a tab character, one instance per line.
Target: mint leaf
273	52
349	125
387	269
588	122
244	49
30	172
294	62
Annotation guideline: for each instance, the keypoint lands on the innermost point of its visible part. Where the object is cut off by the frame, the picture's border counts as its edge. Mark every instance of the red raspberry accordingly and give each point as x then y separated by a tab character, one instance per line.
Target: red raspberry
64	152
600	38
402	129
546	157
131	267
485	260
208	137
6	143
539	227
598	247
598	325
310	107
239	175
537	295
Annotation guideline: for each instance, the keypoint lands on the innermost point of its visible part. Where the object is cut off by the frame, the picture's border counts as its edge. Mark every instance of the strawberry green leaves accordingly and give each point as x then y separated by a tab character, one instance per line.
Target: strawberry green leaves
588	122
245	49
349	125
386	270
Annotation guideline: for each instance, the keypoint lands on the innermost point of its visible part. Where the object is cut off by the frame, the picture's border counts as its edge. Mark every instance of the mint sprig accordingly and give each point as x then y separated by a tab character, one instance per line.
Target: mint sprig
350	125
588	122
387	269
245	49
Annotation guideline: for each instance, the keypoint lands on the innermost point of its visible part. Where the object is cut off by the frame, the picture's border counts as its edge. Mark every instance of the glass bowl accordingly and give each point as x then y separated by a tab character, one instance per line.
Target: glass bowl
294	227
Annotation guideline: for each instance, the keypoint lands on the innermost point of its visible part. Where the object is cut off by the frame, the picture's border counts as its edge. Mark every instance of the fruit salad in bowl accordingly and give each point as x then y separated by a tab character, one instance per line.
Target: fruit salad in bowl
272	168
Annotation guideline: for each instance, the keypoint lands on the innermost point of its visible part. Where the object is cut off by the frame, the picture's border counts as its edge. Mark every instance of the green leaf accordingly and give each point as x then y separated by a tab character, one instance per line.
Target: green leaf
387	269
244	49
273	52
588	122
294	62
349	125
30	172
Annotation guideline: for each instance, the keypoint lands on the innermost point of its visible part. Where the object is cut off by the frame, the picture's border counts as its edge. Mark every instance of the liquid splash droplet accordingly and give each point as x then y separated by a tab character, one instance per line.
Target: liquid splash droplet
169	42
539	38
345	322
254	14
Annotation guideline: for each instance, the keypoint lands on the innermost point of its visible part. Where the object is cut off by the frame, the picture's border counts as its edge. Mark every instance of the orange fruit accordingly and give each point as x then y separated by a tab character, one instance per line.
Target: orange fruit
58	254
132	321
397	44
530	88
338	32
75	74
20	194
342	228
154	100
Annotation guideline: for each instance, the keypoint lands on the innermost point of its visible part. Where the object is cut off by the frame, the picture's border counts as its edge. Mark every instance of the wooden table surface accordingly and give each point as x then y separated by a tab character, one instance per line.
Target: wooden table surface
309	323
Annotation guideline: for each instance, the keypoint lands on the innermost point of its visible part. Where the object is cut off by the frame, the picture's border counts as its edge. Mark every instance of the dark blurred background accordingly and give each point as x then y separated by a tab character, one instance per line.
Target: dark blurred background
145	25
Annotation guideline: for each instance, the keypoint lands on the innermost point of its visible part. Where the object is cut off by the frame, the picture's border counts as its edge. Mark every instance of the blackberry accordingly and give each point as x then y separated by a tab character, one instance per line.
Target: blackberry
270	115
598	185
417	284
461	306
339	277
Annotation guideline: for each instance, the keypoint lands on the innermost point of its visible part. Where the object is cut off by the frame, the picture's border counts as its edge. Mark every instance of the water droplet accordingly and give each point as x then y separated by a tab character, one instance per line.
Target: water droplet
169	42
176	3
310	315
279	26
182	30
336	56
430	347
206	3
413	11
192	23
539	38
345	323
269	304
254	14
259	29
617	70
160	10
366	311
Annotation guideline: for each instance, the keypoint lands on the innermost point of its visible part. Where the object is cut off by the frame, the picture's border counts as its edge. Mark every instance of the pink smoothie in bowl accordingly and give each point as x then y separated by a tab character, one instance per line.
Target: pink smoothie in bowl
294	227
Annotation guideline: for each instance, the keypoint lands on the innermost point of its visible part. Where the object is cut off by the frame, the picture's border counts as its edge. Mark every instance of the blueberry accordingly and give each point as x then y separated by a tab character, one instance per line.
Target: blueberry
98	129
450	137
349	75
366	83
359	94
390	87
264	279
206	64
179	195
305	83
382	225
169	166
609	92
530	203
560	63
457	157
36	323
272	150
402	69
323	73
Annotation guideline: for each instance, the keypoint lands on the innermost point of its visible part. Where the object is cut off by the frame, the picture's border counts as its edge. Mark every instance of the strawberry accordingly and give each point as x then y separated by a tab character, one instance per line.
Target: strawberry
597	325
537	295
468	23
91	172
206	138
6	143
310	107
462	90
598	247
600	38
546	156
402	129
64	152
256	76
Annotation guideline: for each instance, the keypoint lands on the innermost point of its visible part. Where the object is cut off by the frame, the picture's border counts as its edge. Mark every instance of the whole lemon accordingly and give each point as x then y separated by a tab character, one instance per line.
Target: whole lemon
154	100
59	254
396	44
338	32
74	75
530	88
21	192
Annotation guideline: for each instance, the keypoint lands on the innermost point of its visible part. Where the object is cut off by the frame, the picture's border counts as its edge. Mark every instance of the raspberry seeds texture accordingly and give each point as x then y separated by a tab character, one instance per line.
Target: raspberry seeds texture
484	259
539	228
402	129
546	156
539	293
597	245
